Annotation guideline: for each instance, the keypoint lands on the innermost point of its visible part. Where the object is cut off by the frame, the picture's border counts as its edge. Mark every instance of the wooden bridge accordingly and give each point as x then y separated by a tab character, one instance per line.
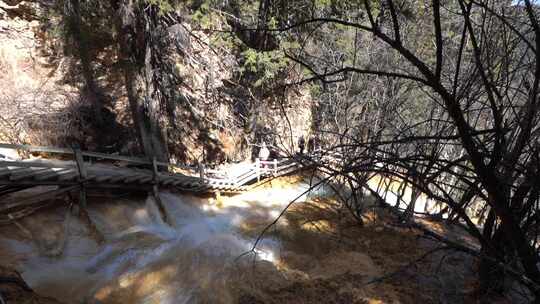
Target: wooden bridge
90	170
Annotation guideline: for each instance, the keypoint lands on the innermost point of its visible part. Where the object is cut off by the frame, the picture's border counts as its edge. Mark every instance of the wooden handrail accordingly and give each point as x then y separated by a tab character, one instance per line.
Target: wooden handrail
130	159
55	150
34	164
36	148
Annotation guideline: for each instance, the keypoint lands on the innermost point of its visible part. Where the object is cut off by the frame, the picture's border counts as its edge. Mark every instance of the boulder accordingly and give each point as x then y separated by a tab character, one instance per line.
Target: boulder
13	289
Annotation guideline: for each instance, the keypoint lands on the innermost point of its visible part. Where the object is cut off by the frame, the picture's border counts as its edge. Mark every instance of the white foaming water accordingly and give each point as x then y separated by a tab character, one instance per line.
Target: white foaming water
145	260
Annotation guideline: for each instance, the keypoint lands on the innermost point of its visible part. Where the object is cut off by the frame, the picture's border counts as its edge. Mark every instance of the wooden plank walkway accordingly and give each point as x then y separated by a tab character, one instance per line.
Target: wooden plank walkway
89	170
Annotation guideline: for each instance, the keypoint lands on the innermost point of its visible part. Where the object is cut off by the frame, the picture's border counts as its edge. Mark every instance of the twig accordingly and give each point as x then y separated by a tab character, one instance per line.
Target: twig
403	268
260	236
522	278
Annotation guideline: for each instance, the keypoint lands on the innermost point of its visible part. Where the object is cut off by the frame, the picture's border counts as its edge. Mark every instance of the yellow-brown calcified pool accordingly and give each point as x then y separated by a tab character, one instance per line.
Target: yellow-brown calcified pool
196	259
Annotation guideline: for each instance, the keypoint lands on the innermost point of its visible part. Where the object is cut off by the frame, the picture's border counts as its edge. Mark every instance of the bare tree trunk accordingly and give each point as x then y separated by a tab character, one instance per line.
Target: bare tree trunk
409	212
415	193
490	273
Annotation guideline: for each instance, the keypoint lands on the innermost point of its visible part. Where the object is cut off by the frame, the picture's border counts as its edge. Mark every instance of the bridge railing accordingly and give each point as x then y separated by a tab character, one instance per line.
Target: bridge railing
97	155
266	167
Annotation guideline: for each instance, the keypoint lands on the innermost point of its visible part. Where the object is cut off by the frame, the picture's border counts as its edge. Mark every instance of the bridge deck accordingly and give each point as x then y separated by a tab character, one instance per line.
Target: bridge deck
31	173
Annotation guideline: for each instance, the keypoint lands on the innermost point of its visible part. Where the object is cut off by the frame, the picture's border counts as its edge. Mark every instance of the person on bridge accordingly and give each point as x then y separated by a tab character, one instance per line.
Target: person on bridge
311	145
301	144
264	153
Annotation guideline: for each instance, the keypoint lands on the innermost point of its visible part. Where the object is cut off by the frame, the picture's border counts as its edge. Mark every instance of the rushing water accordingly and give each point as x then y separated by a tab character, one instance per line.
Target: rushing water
144	260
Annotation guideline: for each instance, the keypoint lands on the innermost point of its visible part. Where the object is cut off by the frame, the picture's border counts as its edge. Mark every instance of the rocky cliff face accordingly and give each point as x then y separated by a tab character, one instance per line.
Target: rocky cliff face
29	86
213	114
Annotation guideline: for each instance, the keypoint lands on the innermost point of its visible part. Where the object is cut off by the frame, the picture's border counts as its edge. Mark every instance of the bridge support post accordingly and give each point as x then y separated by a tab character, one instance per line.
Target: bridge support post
83	212
201	171
155	193
82	177
258	169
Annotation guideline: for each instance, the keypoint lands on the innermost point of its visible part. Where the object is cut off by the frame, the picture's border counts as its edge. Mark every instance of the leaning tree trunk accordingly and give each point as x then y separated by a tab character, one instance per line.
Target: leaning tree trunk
135	29
72	11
